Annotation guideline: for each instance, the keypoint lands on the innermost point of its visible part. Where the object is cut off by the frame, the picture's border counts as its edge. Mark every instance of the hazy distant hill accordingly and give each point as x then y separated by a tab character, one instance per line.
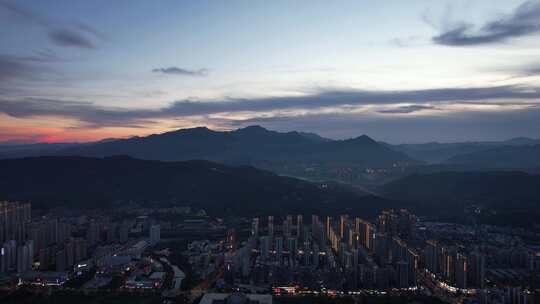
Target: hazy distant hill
501	157
36	149
435	152
501	194
92	182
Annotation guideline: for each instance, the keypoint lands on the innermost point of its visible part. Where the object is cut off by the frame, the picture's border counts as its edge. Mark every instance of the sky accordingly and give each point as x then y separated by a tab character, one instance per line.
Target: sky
398	71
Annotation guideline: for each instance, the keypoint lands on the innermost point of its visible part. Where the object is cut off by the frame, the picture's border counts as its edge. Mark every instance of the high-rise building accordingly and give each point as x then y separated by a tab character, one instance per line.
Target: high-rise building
402	274
514	295
477	269
9	256
367	234
299	226
93	233
61	260
292	246
24	262
432	256
123	232
13	218
388	222
461	271
381	248
342	223
63	232
70	253
155	234
315	231
255	227
270	226
316	255
279	246
413	259
328	226
231	239
264	246
399	249
112	233
287	231
406	223
80	248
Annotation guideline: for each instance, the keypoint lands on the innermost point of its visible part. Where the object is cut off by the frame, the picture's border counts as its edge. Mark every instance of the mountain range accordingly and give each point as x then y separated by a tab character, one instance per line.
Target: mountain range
249	145
359	161
501	157
435	152
82	182
303	155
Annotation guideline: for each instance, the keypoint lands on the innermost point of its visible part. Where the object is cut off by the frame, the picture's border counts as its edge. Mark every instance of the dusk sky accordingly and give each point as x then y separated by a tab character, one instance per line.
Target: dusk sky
398	71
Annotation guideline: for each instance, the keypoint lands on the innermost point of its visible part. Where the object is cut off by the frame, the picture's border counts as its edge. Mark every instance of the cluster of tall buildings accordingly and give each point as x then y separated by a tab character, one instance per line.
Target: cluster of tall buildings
367	255
288	244
460	269
49	243
16	251
375	255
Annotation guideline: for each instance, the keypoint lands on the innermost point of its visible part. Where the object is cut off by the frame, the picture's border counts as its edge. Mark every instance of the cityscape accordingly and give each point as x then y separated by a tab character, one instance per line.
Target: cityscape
193	256
269	152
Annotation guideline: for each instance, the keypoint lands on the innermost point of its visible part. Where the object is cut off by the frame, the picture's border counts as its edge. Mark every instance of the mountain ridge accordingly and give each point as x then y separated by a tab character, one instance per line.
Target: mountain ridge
84	182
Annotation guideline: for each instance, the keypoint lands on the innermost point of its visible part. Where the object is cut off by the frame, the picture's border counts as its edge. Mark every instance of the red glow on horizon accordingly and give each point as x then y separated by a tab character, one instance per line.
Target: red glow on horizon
29	135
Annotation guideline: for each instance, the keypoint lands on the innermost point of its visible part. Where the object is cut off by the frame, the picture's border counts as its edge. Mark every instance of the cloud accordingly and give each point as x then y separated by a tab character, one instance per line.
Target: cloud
452	127
407	41
61	34
180	71
22	67
10	68
529	70
408	109
525	20
329	101
25	67
70	38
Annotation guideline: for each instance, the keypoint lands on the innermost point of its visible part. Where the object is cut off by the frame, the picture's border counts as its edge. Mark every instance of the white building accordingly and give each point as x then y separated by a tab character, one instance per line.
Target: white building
155	232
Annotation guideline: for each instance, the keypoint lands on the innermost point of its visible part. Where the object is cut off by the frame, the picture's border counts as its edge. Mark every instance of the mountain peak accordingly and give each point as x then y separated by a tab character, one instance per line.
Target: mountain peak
194	130
253	128
364	139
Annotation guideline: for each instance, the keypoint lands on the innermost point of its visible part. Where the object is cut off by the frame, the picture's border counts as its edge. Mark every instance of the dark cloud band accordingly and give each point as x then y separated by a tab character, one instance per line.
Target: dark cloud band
181	71
422	99
64	35
525	20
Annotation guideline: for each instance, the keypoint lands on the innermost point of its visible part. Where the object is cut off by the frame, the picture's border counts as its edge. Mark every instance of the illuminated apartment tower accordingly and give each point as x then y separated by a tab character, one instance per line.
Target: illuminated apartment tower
366	232
328	226
477	269
342	222
432	256
255	226
270	227
357	222
299	226
461	271
413	259
288	226
315	231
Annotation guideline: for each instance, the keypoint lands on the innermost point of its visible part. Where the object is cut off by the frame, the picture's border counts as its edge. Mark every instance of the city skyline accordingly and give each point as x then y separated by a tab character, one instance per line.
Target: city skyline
415	72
